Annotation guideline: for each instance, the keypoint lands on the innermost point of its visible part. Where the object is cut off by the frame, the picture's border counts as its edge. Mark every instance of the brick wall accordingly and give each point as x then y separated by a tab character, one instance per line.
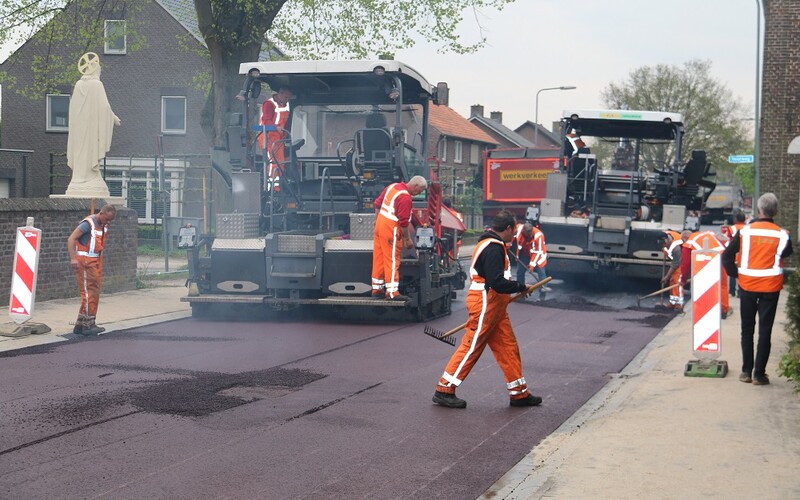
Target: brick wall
57	218
780	110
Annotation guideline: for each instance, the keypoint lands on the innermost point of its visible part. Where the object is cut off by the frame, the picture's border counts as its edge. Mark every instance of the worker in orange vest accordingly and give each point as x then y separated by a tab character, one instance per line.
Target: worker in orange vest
700	241
275	114
489	325
85	247
392	232
760	248
672	251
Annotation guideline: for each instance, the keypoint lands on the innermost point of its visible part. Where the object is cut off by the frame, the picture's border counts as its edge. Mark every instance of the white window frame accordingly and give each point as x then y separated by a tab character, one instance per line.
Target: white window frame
458	151
474	154
108	49
164	130
443	149
122	170
48	122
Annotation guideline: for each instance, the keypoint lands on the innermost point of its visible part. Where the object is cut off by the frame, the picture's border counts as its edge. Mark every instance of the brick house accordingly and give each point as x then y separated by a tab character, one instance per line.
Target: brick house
546	138
780	171
458	147
151	89
493	126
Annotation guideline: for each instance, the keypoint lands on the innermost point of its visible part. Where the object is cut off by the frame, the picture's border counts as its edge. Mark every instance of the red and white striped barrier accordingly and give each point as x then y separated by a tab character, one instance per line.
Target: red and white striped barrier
23	281
706	308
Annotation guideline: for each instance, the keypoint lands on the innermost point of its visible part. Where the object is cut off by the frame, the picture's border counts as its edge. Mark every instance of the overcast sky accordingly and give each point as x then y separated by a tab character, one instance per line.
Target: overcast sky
533	44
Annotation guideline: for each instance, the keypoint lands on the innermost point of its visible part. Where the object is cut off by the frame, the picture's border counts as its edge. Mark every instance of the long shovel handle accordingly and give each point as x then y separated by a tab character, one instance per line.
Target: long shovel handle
666	288
513	299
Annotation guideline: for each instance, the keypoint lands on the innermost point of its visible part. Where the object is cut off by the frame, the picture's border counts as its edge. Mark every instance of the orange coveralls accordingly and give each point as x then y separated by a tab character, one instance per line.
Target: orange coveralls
273	113
488	325
394	212
89	274
676	292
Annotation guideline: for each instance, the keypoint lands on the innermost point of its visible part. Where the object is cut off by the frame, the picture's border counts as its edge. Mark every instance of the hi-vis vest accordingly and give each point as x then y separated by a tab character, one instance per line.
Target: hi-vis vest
479	282
676	240
762	244
281	114
389	199
95	245
539	250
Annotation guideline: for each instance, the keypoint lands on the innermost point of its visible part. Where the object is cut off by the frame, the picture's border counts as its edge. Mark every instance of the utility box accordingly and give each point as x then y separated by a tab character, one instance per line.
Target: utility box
246	189
674	216
237	225
552	207
362	226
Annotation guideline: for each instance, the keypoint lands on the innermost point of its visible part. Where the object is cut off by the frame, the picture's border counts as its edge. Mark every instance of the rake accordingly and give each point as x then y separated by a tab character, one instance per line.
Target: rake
447	337
662	290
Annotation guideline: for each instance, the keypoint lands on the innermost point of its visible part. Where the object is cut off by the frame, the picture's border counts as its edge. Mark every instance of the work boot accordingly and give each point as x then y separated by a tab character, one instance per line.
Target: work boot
81	324
378	294
745	377
448	400
93	328
403	298
529	400
760	380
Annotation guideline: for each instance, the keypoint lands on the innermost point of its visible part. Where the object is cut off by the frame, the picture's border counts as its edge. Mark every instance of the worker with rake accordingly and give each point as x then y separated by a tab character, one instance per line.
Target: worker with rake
489	324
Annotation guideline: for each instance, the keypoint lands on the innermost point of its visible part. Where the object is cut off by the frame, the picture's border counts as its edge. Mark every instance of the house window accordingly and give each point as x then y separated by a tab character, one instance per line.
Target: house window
443	149
57	113
474	154
173	114
461	188
457	151
116	39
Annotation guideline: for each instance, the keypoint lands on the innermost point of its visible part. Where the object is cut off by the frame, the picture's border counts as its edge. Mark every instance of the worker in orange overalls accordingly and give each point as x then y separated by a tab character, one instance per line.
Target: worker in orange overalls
761	248
697	241
392	219
85	246
275	114
672	250
487	299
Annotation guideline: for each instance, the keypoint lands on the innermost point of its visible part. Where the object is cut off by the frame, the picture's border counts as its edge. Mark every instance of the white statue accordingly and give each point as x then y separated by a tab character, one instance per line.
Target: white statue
91	125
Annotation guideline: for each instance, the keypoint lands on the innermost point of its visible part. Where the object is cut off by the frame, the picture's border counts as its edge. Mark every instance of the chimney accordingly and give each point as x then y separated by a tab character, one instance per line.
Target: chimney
476	110
497	116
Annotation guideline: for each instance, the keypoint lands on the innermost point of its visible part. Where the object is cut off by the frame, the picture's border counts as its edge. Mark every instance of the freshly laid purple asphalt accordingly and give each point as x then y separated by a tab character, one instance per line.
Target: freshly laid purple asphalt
315	409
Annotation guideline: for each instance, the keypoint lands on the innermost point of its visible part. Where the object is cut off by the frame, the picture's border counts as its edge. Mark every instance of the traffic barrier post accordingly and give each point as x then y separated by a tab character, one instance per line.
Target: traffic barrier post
706	315
23	283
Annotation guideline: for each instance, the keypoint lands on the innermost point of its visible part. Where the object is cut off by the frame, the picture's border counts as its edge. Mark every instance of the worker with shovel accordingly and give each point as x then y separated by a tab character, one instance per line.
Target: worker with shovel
489	324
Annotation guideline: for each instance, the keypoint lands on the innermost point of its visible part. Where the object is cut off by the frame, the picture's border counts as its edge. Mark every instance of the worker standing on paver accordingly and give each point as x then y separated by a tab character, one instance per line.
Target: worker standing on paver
85	247
392	233
539	260
759	248
489	324
672	250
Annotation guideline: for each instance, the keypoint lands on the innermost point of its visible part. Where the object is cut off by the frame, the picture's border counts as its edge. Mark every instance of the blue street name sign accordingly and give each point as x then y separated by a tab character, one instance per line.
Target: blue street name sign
740	159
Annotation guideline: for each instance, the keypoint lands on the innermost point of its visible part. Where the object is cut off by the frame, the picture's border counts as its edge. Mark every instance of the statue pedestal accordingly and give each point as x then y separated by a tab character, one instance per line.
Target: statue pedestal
117	201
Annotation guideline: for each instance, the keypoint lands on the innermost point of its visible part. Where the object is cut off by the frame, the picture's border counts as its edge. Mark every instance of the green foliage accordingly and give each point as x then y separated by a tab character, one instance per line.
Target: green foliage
149	232
314	29
789	366
711	115
471	202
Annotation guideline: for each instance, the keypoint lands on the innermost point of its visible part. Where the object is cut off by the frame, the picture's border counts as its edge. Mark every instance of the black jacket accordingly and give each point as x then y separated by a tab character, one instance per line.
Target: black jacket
491	264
